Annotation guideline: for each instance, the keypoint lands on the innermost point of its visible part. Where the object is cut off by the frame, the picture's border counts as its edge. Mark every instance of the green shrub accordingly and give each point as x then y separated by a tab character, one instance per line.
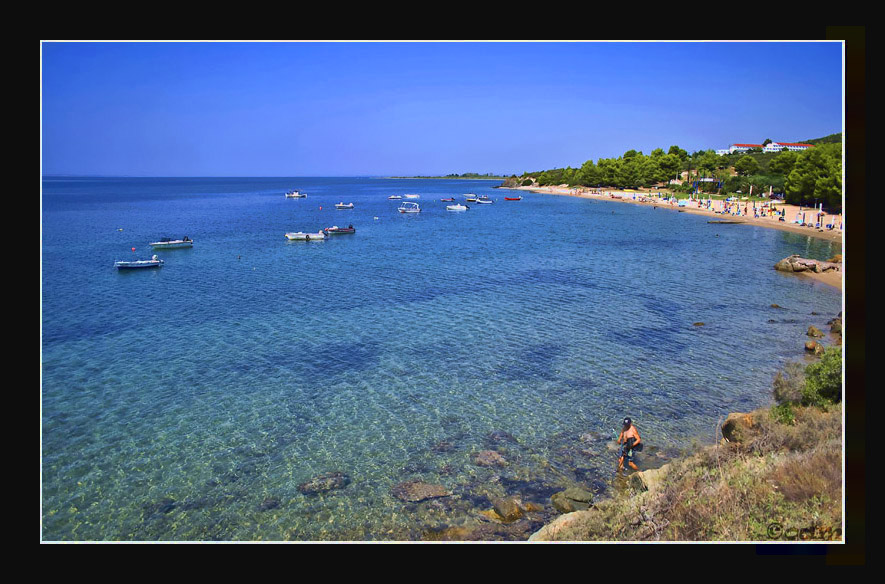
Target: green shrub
783	413
823	379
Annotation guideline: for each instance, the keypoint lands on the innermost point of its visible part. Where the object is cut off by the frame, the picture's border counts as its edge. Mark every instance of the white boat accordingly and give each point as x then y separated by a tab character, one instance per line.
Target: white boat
167	243
394	197
407	207
412	196
295	195
457	207
151	263
301	236
344	206
470	197
484	201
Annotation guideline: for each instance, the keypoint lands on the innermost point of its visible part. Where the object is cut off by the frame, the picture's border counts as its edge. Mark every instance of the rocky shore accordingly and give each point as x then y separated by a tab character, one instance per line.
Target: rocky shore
805	450
515	493
829	272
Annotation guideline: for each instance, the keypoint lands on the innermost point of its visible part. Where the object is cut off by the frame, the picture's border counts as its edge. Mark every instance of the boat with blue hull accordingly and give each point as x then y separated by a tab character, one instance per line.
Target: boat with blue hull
154	262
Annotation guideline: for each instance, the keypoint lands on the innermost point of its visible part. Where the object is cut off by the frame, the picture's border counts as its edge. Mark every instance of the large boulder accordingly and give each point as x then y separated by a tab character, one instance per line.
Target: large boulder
814	347
572	499
649	480
508	509
794	263
567	527
738	427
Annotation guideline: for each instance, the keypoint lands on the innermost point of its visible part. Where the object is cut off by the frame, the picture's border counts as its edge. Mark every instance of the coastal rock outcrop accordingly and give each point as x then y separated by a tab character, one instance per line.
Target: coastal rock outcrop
794	263
649	480
814	347
566	527
814	332
738	427
572	499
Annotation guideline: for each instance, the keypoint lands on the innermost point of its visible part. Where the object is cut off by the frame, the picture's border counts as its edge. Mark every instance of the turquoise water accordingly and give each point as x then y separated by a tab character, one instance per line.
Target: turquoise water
190	402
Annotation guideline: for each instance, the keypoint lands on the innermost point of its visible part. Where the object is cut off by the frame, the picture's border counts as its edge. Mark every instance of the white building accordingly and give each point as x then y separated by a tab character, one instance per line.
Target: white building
770	147
779	146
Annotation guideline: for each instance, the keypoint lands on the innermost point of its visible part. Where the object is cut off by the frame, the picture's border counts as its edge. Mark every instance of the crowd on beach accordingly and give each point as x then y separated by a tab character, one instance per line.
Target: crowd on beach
772	213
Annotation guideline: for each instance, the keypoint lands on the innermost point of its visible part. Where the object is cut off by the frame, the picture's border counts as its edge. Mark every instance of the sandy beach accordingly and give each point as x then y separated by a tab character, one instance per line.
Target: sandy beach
718	212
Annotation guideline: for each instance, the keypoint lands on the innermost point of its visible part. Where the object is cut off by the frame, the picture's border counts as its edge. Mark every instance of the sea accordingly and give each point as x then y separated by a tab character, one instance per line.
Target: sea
259	389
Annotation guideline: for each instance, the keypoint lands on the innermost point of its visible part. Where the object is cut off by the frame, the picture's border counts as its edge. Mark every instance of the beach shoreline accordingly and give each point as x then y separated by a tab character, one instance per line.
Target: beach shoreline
647	198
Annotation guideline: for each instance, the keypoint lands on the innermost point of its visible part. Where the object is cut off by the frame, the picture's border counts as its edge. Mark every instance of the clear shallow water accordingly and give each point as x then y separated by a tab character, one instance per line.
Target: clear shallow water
189	402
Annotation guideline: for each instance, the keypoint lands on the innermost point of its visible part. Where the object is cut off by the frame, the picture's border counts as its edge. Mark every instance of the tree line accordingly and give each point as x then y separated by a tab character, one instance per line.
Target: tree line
806	177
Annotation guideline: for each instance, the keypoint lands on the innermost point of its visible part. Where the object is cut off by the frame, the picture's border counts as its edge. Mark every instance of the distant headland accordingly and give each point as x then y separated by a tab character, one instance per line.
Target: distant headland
488	176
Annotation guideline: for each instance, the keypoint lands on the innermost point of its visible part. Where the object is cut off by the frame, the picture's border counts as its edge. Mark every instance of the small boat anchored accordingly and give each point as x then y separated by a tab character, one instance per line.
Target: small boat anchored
335	230
457	207
512	198
295	195
412	196
301	236
470	197
344	206
154	262
394	197
167	243
408	207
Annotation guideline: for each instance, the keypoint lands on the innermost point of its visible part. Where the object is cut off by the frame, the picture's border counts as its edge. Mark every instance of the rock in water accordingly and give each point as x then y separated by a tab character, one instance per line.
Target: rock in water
488	458
324	482
507	508
572	499
415	491
269	503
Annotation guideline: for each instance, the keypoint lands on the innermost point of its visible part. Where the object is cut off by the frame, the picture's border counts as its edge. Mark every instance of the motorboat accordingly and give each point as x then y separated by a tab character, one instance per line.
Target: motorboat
167	243
335	230
457	207
394	197
301	236
449	200
344	206
295	195
512	198
408	207
470	197
484	201
154	262
412	196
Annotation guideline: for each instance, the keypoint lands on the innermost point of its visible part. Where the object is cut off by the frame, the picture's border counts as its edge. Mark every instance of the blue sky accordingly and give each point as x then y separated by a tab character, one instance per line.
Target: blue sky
357	109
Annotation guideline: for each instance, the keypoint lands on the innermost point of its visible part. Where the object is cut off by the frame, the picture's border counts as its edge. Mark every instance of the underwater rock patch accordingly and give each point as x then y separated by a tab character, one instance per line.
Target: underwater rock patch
324	482
415	491
269	503
488	458
161	507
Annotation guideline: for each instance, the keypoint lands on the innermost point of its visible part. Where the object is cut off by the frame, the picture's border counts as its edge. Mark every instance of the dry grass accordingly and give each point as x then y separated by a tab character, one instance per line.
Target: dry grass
785	474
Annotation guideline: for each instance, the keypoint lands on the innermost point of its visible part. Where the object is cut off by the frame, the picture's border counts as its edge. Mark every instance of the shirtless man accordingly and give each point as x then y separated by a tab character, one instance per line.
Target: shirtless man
630	437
